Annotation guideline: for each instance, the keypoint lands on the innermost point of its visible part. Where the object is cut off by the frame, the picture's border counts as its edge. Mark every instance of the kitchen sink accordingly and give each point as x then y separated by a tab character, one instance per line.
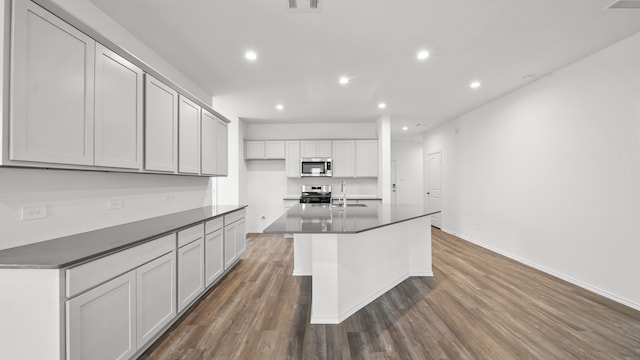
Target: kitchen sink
349	205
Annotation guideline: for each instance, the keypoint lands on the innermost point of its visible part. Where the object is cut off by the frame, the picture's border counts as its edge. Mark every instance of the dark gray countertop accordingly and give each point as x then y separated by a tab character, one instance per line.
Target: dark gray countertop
75	249
323	218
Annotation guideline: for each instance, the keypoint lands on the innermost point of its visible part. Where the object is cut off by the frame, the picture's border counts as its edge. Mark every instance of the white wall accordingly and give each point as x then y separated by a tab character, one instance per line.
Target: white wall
76	201
408	156
550	173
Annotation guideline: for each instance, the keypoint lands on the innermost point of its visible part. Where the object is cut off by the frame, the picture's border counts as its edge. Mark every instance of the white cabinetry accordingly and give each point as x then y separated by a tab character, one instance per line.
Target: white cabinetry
343	160
259	149
254	150
208	141
274	149
234	237
118	111
213	250
161	126
222	133
156	296
188	137
101	322
190	265
315	148
52	99
292	159
355	158
366	158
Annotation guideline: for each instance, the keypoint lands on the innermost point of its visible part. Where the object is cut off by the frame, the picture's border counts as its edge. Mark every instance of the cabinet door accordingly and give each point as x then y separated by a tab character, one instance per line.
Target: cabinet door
161	126
241	237
292	160
344	158
190	272
254	150
214	256
118	111
229	245
156	296
208	140
308	148
221	148
323	148
188	137
367	158
101	322
51	110
274	150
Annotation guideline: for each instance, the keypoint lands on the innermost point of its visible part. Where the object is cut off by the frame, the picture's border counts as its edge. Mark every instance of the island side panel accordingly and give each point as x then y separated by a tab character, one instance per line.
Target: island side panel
302	254
370	264
419	235
30	313
324	281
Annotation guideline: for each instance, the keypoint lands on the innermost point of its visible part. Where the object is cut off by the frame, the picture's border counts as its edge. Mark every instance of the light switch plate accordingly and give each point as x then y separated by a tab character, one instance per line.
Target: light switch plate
114	204
34	212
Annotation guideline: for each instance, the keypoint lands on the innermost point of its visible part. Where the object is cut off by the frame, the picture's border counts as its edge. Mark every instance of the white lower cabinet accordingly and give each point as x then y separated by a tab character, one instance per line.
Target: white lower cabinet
190	272
214	255
156	296
234	237
101	322
229	246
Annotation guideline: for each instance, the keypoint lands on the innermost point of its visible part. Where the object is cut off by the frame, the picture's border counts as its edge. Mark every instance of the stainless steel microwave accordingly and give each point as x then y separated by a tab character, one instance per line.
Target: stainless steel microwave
315	167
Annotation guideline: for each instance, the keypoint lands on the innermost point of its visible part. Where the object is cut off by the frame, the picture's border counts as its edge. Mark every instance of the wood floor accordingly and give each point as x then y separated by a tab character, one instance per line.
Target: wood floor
478	305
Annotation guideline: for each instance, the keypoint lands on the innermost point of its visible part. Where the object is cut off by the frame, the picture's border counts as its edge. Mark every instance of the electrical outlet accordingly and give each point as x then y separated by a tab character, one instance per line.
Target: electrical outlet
114	204
34	212
477	225
168	198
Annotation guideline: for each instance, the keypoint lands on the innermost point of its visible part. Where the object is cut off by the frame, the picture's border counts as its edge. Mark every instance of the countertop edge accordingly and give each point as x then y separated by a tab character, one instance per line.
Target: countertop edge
101	254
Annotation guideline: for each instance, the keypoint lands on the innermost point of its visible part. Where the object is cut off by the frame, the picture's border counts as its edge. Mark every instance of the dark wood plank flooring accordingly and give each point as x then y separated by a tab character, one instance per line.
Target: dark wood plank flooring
478	305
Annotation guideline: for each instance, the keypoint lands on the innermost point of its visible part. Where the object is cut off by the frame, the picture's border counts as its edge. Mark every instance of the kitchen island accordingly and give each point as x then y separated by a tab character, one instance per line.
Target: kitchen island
354	254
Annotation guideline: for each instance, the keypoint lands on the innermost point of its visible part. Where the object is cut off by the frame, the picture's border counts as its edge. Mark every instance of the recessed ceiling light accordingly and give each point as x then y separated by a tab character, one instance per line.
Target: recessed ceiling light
405	128
422	55
251	55
343	80
279	106
475	84
382	106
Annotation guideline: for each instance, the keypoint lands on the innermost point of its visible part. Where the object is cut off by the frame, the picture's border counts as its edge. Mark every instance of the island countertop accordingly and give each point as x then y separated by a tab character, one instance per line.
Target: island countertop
331	219
75	249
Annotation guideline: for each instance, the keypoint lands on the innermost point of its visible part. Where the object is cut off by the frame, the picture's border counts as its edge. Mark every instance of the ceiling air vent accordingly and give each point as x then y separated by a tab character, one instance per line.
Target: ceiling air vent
304	5
625	4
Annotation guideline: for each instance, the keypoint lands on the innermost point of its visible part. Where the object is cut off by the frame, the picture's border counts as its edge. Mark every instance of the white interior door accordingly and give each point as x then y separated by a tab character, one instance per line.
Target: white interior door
393	182
434	187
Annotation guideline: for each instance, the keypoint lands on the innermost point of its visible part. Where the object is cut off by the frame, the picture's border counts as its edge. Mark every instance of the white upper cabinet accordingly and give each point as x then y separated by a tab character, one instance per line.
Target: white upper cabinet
118	111
323	148
254	150
161	126
222	148
292	159
52	87
188	137
315	148
274	149
208	141
366	158
343	160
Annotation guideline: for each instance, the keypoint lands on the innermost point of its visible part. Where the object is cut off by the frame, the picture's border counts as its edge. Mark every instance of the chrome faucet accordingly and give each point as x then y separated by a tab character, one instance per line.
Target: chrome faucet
344	194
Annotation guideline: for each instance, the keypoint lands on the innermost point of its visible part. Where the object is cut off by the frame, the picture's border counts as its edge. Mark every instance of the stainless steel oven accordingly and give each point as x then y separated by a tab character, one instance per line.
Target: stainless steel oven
315	167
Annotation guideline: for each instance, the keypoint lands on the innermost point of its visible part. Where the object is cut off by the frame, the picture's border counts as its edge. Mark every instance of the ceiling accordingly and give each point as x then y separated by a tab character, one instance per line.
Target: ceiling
505	44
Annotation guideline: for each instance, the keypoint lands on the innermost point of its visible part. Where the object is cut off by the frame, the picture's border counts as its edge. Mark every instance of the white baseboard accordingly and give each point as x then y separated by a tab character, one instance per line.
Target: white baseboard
551	272
301	272
421	273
